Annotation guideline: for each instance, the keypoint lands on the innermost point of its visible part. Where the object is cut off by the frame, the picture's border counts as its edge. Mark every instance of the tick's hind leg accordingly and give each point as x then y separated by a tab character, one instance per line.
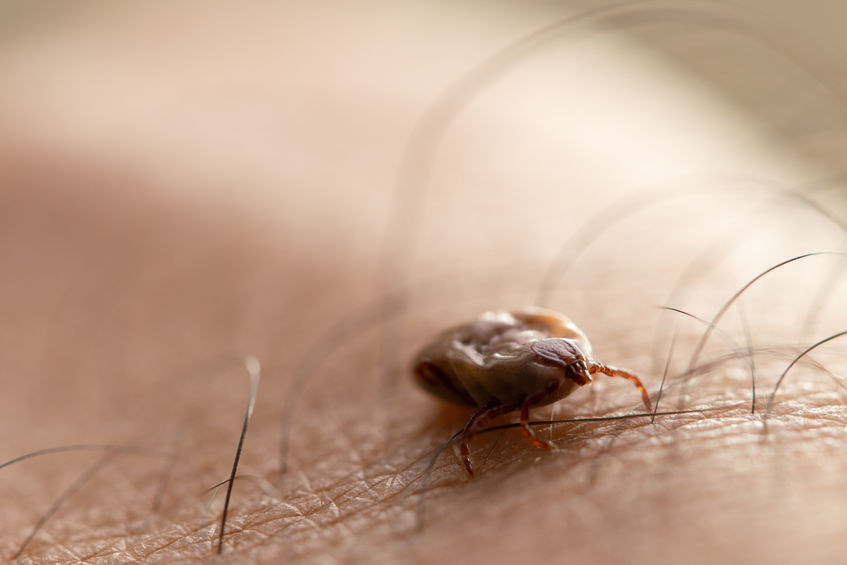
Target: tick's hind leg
472	426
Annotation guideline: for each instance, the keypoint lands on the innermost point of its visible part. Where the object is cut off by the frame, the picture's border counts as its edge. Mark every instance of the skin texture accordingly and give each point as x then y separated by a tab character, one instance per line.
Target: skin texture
181	191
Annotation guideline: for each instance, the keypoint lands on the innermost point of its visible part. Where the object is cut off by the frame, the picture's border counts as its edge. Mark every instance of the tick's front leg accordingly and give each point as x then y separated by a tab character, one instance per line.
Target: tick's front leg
615	372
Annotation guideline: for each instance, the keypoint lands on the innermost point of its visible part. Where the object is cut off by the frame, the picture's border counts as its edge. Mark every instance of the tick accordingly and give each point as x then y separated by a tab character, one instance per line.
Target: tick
507	361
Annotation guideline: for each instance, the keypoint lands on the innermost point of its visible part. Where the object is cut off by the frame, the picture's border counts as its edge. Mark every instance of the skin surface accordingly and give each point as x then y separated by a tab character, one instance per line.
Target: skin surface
181	191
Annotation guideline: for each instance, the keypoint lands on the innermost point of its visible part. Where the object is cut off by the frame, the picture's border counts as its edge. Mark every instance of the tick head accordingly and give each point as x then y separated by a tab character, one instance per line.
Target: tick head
566	354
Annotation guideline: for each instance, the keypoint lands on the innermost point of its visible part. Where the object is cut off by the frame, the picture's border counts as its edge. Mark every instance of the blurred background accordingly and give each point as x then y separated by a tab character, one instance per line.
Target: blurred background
185	183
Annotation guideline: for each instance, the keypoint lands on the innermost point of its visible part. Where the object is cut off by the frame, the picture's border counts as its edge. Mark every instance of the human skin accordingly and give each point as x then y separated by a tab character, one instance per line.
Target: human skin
149	245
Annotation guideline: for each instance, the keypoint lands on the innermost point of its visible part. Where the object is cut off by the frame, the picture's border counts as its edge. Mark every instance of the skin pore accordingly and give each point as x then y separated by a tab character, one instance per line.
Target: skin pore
181	192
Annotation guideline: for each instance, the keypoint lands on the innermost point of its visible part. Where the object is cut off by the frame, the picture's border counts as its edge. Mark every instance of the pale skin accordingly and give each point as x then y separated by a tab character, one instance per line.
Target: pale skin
136	280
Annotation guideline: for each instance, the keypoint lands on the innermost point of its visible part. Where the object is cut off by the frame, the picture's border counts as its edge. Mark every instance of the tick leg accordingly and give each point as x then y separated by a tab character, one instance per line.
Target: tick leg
466	455
615	372
471	427
527	431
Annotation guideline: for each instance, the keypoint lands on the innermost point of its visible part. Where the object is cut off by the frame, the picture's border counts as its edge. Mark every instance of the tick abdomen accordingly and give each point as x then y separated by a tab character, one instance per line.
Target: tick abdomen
493	361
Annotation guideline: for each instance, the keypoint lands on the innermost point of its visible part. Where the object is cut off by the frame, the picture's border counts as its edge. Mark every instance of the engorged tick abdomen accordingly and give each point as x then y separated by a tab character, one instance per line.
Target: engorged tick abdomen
504	358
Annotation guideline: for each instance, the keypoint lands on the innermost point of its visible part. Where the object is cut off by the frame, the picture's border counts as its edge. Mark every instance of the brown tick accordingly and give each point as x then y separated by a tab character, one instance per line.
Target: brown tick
505	361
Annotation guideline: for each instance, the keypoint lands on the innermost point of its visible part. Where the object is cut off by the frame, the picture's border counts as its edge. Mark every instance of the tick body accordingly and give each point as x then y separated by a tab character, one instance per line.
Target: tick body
507	361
